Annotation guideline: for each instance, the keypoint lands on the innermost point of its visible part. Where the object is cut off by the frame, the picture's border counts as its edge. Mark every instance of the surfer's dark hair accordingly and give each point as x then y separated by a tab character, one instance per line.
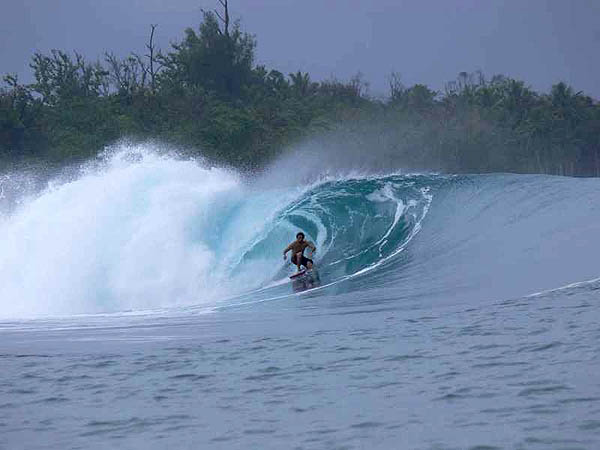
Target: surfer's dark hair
300	233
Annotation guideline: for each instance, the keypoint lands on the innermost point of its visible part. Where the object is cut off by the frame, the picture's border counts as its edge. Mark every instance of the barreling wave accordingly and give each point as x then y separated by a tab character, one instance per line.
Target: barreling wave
144	231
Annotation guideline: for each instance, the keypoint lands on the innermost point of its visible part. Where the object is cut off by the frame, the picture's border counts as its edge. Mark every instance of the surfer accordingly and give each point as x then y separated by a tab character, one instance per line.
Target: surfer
297	247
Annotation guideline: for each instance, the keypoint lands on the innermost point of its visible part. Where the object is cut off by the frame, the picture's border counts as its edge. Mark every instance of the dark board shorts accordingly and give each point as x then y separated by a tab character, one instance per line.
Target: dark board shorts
303	261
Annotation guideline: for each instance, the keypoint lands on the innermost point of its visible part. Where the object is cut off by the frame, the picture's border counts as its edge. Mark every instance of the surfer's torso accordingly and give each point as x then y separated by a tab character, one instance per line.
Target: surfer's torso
299	247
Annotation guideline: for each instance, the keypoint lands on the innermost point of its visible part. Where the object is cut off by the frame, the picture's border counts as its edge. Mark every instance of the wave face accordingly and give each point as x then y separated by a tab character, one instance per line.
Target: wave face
145	232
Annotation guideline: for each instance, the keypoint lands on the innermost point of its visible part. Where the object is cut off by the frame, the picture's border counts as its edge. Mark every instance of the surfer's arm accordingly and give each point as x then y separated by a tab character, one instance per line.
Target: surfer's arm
312	246
287	249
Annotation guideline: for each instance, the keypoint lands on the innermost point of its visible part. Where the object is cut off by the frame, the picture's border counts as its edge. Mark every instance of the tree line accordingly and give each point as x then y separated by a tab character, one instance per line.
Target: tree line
207	96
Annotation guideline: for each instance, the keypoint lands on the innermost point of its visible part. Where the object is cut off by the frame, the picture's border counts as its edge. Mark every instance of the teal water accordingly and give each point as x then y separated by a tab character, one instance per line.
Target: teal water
145	304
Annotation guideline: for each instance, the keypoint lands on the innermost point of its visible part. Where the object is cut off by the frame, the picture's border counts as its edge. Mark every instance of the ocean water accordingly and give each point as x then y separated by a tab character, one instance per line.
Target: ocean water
145	304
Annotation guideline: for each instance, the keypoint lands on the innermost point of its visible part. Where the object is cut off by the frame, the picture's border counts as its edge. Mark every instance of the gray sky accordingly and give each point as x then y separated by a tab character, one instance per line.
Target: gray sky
428	41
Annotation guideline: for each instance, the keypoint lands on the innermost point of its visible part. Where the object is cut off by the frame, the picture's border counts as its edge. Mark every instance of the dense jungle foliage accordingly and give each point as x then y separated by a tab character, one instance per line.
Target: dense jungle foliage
207	95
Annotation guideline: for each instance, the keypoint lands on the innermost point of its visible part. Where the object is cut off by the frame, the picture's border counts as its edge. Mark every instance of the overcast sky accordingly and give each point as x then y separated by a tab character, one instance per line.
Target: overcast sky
426	41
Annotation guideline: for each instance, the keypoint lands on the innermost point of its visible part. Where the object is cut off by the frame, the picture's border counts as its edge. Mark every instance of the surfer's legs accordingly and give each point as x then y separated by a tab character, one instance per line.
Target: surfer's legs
299	260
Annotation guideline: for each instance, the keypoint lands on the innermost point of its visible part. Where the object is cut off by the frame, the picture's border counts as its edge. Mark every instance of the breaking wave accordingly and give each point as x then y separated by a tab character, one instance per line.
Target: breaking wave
143	231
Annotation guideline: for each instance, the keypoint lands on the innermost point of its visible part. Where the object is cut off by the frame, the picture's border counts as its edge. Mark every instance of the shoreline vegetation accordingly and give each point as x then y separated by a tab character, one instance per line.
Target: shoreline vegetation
207	95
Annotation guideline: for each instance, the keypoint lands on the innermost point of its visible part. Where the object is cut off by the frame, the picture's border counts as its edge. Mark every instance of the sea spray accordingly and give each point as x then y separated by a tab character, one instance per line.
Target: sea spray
117	238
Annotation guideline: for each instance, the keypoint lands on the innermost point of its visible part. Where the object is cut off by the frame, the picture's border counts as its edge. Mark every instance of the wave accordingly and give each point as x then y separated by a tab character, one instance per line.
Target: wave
144	231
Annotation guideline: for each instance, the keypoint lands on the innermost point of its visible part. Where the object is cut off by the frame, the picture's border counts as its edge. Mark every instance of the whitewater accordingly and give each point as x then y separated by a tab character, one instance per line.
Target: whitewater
145	303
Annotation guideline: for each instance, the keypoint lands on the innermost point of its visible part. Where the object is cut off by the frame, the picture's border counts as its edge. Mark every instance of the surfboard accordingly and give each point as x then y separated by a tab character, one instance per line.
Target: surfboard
305	280
298	274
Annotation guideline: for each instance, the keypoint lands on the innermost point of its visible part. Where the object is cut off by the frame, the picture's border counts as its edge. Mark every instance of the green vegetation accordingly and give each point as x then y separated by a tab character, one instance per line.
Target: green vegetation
207	96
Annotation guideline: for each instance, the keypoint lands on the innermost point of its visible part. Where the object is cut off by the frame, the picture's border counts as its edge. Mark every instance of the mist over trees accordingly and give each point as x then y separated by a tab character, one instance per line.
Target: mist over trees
207	96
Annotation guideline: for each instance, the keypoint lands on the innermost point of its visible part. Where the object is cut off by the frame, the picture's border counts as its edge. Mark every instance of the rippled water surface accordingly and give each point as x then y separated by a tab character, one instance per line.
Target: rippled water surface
317	373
